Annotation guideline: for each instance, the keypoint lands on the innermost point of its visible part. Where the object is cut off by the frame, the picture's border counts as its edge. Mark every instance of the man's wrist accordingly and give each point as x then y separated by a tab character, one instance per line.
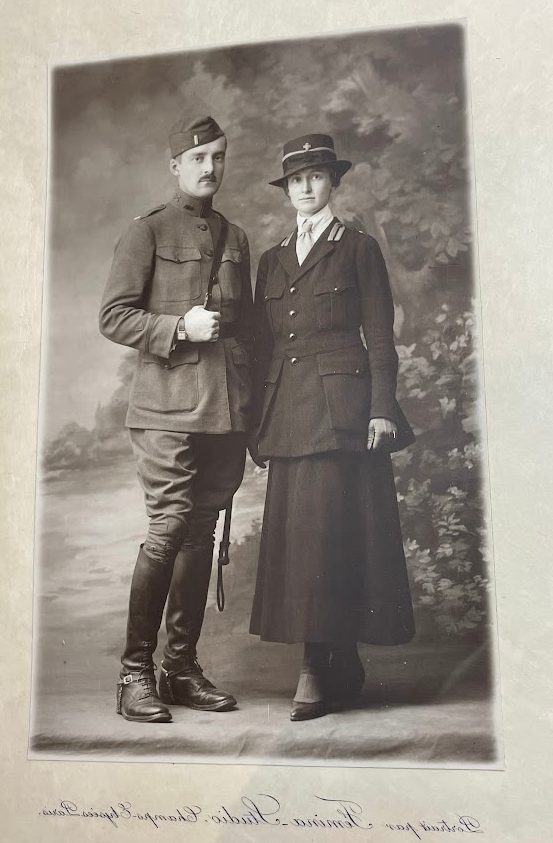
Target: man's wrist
181	330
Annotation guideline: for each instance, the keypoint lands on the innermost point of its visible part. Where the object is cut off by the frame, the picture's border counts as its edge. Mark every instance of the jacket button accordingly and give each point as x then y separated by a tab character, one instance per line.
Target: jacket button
293	337
294	361
209	253
203	227
166	365
335	289
293	313
293	290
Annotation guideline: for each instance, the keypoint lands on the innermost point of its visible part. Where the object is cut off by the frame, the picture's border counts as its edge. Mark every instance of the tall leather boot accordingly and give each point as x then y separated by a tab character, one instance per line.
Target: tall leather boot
181	679
137	697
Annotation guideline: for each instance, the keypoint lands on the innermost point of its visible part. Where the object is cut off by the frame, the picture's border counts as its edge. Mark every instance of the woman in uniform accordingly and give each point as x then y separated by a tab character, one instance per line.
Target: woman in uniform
331	569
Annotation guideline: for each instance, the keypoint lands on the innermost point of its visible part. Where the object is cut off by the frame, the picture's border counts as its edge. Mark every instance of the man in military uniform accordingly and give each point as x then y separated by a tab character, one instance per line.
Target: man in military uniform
179	291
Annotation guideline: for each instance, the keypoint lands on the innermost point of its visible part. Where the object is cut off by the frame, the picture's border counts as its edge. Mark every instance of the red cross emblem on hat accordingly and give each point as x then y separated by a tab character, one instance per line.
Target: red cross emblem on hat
306	146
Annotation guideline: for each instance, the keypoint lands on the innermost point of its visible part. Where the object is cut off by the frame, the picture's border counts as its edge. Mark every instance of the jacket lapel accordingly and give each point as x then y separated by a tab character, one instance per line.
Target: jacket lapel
323	246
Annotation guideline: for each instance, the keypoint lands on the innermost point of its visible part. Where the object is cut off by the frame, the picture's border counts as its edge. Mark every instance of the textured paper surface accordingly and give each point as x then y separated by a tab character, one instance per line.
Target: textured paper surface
510	69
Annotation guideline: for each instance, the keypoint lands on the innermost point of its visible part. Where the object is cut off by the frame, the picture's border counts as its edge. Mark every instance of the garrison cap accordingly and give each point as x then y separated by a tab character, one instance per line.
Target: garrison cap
189	132
310	151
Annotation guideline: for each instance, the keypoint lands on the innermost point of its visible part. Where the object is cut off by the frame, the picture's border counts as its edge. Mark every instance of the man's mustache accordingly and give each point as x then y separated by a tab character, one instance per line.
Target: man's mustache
208	179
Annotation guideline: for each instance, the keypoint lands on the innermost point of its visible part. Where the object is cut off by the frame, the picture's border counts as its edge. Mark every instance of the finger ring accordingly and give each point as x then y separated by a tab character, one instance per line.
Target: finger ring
393	434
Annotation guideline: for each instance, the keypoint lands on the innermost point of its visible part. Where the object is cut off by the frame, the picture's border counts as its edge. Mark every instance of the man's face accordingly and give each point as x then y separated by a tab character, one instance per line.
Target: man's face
200	170
310	189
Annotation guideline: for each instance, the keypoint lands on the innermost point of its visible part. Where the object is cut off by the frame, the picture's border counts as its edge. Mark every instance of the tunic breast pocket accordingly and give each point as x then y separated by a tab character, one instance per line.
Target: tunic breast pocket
178	275
229	276
336	303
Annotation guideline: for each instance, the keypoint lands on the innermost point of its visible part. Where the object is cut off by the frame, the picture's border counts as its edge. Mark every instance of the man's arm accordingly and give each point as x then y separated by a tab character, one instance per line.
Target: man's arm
122	316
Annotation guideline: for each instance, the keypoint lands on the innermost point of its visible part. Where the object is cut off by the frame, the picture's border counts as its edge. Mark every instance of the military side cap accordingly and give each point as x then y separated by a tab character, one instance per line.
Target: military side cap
309	151
190	132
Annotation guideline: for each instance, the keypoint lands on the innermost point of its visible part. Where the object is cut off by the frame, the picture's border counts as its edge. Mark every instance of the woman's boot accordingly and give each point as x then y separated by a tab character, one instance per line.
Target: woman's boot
310	697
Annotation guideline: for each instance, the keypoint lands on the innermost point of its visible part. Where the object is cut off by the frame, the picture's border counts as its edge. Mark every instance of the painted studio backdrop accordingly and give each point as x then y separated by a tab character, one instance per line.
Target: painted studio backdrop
396	104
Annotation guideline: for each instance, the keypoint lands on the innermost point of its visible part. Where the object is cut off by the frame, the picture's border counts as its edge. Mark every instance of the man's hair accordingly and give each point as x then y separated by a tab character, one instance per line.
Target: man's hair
335	179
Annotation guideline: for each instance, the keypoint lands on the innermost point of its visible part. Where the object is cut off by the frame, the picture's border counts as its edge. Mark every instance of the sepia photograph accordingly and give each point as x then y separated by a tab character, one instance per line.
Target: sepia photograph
263	525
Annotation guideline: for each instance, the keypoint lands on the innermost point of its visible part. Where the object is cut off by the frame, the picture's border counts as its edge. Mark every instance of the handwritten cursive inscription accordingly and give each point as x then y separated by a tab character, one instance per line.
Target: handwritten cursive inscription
265	810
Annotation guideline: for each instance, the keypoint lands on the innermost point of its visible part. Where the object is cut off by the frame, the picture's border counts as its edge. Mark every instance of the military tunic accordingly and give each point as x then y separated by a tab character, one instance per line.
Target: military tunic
331	564
160	271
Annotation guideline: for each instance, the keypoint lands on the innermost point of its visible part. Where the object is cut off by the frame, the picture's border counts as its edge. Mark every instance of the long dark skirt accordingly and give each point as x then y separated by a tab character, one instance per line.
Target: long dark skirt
331	563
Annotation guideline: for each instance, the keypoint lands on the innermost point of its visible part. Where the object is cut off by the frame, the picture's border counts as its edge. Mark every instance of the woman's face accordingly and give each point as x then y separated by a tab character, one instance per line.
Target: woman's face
310	189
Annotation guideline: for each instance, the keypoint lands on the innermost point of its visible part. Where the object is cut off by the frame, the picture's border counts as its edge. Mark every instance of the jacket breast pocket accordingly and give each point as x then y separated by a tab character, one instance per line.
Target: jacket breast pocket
274	294
229	275
178	273
346	384
336	304
167	386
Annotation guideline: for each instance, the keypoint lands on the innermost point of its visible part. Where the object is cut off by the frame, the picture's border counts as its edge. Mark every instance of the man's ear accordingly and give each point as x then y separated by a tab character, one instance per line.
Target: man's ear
174	166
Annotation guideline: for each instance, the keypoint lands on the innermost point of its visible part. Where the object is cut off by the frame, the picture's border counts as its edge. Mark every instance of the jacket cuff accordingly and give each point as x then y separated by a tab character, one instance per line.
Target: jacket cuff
162	334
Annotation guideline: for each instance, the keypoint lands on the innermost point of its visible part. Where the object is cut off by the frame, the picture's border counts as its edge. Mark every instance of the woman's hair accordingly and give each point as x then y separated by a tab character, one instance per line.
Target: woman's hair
335	179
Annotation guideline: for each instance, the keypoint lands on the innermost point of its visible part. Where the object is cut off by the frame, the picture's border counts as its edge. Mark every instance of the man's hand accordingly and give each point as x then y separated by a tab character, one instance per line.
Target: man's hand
382	433
253	449
202	325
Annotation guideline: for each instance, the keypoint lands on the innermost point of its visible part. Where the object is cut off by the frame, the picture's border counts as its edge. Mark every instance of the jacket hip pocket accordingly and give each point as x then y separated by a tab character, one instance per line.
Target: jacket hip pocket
167	386
346	384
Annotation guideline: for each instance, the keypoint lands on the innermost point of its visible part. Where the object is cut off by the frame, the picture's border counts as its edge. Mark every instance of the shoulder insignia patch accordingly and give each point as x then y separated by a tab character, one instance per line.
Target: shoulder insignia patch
336	232
150	212
286	240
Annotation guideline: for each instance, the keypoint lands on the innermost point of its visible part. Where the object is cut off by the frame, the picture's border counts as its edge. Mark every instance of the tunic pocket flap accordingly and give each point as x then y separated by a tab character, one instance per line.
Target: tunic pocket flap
333	285
187	354
346	361
178	254
239	354
274	371
234	255
275	288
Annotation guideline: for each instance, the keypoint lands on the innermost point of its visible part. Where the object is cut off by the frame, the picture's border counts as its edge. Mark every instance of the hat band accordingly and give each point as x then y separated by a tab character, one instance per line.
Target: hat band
311	149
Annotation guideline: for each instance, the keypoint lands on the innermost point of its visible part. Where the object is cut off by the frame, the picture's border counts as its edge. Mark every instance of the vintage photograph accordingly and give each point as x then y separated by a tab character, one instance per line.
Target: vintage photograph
263	531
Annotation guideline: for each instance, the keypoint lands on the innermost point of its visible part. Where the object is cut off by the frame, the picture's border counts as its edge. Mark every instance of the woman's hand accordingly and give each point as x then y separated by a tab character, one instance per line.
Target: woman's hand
382	433
253	450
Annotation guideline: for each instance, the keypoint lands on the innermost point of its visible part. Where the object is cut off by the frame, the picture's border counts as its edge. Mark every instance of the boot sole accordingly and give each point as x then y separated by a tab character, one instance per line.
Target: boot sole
226	706
154	718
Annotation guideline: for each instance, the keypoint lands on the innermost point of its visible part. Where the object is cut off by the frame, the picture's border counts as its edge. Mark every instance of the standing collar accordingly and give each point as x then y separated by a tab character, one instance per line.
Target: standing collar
191	205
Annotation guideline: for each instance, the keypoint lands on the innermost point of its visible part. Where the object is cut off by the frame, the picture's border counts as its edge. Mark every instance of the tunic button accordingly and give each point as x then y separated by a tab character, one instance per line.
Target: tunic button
335	289
209	253
293	313
294	361
203	227
292	336
293	290
166	365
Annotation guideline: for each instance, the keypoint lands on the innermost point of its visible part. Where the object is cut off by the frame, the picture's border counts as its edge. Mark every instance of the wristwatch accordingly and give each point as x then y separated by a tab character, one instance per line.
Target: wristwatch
181	332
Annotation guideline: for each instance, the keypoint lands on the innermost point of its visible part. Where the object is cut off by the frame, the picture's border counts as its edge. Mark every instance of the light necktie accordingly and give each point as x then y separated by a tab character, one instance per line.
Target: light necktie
305	241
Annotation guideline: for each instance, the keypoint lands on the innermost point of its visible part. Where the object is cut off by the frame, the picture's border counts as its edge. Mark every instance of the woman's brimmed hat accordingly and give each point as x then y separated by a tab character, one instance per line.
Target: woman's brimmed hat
309	151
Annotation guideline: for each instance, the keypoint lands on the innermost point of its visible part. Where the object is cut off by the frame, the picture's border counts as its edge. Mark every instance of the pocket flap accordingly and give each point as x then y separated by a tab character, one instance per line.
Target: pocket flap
345	361
274	371
239	354
186	354
234	255
275	288
333	285
178	254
